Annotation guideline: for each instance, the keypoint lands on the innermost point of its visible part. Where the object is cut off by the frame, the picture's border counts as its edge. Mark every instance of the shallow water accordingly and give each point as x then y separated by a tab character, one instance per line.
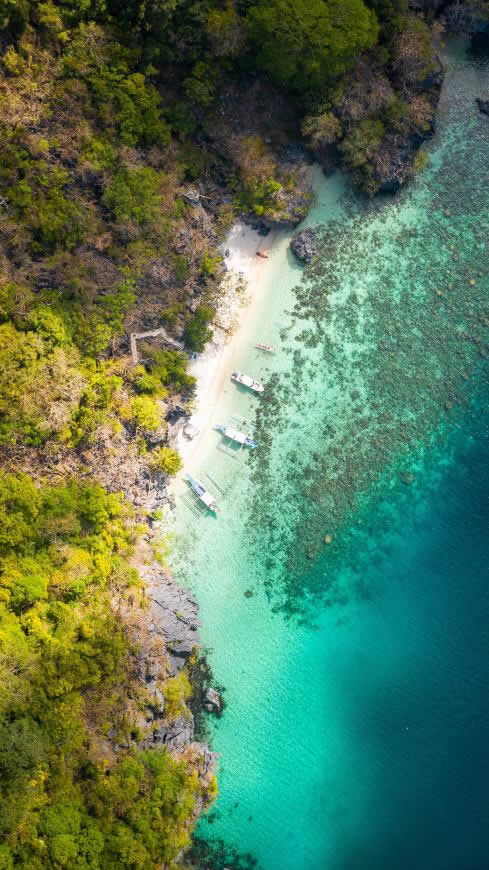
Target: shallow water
356	671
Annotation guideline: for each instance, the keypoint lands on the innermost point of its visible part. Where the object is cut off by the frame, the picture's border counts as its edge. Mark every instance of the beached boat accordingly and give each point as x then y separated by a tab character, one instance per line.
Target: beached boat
246	381
236	435
262	255
267	348
203	495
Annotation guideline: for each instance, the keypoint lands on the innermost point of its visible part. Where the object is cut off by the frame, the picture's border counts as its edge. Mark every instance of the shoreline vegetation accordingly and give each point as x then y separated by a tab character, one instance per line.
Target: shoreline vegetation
139	144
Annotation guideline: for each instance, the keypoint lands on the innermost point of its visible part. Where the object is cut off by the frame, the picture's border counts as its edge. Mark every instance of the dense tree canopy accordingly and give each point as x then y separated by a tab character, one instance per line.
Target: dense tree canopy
306	44
63	661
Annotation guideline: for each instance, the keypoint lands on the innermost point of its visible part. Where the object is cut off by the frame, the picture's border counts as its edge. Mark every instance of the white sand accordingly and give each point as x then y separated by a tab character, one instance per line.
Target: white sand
241	286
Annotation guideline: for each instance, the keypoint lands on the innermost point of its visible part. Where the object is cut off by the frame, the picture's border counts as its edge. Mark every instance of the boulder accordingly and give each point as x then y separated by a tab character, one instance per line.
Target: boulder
191	196
212	700
304	245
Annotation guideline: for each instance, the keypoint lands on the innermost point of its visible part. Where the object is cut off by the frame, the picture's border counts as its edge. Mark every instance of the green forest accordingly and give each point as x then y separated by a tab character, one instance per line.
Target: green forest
118	120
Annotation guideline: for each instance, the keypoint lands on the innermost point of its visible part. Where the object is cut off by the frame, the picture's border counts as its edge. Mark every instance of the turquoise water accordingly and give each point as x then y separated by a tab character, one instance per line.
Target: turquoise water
356	671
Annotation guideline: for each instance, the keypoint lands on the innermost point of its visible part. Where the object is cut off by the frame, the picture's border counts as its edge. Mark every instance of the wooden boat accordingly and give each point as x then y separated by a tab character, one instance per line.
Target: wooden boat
246	381
203	495
266	348
262	255
237	435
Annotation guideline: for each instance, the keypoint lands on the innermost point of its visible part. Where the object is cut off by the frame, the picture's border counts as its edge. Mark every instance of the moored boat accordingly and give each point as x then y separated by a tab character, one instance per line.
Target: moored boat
203	495
267	348
237	435
246	381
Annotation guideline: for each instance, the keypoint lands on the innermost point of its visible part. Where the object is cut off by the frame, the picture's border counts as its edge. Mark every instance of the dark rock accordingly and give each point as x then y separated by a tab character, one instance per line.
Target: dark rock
483	105
304	245
177	734
426	5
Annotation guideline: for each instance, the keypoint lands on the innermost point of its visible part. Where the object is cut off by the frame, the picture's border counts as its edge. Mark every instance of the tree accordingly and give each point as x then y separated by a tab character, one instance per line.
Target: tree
197	332
306	44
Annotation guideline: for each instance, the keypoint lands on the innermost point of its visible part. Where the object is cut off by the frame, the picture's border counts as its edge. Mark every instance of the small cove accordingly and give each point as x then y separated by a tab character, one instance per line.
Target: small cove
355	673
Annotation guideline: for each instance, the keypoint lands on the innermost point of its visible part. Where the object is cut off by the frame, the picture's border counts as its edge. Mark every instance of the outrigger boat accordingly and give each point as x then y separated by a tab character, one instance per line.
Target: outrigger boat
267	348
237	435
241	378
203	495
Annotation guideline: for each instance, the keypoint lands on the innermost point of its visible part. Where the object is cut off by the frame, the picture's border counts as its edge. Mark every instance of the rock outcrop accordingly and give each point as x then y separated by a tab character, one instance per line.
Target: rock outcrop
304	245
483	105
212	701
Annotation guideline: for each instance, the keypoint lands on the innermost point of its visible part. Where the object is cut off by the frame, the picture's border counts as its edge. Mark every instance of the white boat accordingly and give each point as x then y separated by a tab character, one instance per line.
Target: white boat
237	435
241	378
203	495
266	348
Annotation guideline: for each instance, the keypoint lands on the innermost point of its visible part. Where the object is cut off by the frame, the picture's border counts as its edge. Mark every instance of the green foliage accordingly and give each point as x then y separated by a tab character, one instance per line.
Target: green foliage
40	200
323	128
170	314
39	381
421	160
124	99
200	87
63	653
144	413
176	691
14	15
259	196
133	194
361	144
197	332
390	15
98	402
306	44
209	264
227	31
181	267
169	366
116	305
167	460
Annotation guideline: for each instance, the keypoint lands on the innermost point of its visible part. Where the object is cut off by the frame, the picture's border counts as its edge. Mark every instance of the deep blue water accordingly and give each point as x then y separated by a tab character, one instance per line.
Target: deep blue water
426	721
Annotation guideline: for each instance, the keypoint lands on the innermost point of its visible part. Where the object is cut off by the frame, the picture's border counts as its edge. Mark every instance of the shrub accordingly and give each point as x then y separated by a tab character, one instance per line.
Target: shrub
361	144
167	460
176	691
133	194
144	412
197	332
209	264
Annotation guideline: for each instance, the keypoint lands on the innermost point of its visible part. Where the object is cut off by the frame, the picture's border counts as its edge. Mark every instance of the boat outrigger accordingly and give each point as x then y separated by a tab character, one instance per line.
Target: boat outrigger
246	381
267	348
237	435
203	495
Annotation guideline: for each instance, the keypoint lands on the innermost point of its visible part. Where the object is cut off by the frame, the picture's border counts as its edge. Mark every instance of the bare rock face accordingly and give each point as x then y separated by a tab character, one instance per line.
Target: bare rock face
173	616
176	735
304	245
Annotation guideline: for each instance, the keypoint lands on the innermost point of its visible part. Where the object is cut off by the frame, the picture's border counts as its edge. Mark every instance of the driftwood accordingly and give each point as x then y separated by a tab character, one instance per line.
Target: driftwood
134	336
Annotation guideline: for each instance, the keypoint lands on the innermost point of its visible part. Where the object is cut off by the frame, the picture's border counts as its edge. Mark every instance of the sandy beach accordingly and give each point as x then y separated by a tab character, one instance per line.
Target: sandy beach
241	288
